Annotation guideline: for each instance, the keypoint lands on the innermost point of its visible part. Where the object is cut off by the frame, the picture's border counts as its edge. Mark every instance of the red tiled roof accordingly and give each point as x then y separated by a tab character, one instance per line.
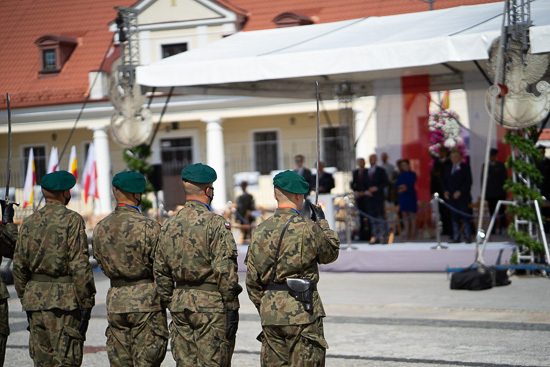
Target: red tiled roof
545	135
24	21
260	13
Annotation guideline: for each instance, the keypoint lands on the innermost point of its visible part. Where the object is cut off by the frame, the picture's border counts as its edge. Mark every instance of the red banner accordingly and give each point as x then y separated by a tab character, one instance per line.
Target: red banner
415	133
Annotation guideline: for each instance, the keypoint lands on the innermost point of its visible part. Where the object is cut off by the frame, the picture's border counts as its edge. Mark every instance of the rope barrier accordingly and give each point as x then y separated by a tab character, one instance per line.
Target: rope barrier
424	208
467	215
374	219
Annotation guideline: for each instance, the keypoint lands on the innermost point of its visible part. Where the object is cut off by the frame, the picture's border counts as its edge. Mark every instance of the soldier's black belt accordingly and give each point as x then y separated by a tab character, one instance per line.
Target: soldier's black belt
284	287
122	282
200	286
47	278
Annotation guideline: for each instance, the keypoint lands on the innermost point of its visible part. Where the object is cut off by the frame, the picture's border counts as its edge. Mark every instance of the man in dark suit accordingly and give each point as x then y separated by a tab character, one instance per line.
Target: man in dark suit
374	183
457	183
359	186
440	166
326	181
496	177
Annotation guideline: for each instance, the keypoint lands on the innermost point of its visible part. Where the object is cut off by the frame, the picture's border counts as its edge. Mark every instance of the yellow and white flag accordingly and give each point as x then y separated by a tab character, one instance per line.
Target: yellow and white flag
73	168
30	181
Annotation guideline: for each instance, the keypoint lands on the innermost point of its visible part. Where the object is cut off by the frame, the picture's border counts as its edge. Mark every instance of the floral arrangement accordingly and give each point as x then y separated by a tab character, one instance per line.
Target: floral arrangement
445	131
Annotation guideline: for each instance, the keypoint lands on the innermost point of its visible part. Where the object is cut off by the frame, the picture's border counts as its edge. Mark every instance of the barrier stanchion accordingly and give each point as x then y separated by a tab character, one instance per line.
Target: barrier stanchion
438	224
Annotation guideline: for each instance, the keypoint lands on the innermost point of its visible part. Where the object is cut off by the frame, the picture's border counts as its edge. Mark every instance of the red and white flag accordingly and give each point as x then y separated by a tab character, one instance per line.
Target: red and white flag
90	175
73	167
30	181
53	163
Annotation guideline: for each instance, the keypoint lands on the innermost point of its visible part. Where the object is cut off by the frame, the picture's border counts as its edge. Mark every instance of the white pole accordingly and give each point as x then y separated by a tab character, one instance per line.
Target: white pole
215	158
103	166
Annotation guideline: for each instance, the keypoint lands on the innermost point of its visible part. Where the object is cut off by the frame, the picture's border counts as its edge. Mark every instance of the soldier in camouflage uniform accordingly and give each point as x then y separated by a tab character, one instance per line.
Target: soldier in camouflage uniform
198	253
124	245
8	238
292	334
53	277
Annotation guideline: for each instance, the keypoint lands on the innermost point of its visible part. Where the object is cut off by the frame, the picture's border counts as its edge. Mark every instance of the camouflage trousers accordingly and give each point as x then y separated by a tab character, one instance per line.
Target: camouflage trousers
137	339
198	339
54	339
4	328
293	345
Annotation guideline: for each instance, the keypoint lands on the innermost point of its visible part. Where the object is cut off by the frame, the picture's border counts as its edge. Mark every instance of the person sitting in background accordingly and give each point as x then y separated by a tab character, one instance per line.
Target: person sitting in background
407	197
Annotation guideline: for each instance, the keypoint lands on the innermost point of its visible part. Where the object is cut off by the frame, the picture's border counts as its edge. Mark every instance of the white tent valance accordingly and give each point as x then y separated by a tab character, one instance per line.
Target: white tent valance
365	49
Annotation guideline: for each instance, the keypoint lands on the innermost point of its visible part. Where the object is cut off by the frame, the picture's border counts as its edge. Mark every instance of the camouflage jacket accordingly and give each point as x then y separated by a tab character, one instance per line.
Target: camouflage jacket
53	242
304	245
197	246
124	245
8	238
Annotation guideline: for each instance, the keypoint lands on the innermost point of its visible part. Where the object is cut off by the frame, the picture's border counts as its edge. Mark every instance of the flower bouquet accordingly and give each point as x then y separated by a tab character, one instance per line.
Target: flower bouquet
445	131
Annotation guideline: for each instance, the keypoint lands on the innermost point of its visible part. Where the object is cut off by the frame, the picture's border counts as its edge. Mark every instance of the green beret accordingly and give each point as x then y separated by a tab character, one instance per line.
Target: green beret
130	181
58	181
292	182
199	173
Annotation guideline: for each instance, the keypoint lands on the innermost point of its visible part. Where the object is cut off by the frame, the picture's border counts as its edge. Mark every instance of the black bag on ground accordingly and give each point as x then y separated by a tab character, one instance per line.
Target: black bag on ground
501	277
473	278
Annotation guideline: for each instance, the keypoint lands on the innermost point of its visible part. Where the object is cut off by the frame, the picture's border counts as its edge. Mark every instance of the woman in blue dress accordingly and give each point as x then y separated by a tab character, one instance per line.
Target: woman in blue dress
407	197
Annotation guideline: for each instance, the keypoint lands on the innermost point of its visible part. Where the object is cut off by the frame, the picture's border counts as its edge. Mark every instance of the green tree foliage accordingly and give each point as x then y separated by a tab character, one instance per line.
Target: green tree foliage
526	169
136	160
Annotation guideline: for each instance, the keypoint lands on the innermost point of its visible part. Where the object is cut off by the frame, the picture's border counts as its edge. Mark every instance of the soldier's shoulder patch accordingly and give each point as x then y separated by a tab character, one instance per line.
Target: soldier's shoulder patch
227	225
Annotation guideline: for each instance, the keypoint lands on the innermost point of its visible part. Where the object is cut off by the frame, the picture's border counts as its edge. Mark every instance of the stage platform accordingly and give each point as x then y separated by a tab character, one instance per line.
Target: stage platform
409	257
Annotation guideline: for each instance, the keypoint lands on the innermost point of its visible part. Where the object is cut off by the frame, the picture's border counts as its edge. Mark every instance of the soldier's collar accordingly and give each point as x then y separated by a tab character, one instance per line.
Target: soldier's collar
200	202
289	208
128	205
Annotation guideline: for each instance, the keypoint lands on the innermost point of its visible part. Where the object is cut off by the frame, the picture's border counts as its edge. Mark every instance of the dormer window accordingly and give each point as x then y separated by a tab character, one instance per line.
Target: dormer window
54	52
290	19
49	60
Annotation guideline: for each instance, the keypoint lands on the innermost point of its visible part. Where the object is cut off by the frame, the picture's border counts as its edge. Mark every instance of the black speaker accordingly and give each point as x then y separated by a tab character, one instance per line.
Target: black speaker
156	177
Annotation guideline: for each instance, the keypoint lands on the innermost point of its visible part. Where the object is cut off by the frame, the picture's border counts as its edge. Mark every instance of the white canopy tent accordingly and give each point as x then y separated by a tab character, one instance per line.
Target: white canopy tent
372	53
279	61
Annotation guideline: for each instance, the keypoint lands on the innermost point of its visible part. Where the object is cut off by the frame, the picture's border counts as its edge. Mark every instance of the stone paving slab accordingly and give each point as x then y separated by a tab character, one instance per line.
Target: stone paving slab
381	319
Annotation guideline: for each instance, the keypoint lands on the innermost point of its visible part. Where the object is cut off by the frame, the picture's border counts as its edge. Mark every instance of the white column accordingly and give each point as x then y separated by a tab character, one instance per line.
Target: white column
476	86
389	118
103	167
215	158
365	126
360	135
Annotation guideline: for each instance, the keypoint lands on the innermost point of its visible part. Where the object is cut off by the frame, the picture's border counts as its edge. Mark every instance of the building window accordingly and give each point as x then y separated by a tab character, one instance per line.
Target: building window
39	162
176	154
54	52
49	60
290	19
173	49
336	147
266	151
